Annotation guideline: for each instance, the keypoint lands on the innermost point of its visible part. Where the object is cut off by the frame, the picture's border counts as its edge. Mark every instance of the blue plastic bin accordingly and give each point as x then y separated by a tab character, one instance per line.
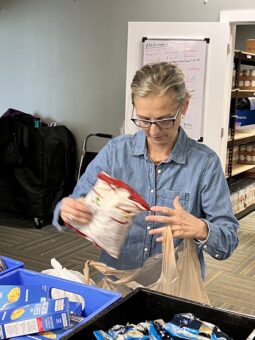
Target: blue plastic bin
11	264
96	299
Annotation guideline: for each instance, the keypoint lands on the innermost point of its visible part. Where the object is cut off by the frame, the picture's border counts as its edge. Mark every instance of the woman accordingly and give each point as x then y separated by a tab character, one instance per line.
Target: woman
181	180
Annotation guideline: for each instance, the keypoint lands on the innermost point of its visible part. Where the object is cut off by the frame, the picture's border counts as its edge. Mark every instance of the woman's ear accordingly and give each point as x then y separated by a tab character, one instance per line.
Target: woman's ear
184	107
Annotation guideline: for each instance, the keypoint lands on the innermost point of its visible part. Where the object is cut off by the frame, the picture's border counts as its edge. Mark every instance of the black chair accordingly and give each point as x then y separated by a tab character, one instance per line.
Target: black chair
88	156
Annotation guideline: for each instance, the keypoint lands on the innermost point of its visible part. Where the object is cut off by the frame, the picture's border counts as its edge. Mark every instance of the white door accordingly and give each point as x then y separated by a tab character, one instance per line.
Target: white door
217	75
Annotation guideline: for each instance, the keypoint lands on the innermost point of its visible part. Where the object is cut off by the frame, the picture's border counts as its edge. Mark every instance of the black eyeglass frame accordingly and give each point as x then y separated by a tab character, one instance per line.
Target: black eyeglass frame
137	121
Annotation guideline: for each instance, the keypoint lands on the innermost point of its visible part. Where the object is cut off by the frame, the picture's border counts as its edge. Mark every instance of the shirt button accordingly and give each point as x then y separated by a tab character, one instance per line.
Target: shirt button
148	227
205	246
159	171
152	191
145	249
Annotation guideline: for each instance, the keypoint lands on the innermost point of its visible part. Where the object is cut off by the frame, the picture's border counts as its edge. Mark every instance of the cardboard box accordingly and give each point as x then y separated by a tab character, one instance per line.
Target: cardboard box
57	334
34	318
250	45
75	308
245	119
12	296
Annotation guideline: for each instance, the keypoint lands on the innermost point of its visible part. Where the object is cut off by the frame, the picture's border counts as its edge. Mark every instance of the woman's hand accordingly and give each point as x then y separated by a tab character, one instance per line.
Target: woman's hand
182	223
75	210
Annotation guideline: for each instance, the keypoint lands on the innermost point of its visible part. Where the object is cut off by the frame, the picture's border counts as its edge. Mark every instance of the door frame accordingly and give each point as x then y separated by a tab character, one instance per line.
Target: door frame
234	18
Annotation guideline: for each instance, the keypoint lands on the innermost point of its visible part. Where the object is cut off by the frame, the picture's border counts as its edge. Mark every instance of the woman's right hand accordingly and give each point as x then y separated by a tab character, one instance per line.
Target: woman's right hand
75	210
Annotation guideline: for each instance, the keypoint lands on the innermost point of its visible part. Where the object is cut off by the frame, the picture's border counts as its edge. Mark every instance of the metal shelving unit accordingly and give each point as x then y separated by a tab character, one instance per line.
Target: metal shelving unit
239	137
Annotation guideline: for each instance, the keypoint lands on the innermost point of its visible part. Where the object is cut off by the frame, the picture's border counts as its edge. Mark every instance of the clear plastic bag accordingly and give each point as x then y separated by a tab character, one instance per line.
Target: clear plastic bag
176	272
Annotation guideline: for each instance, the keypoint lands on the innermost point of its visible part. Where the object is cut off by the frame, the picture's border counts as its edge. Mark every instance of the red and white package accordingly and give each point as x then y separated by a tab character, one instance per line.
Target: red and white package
113	204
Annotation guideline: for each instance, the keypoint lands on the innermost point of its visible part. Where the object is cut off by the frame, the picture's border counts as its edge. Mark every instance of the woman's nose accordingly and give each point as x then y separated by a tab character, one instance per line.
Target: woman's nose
154	128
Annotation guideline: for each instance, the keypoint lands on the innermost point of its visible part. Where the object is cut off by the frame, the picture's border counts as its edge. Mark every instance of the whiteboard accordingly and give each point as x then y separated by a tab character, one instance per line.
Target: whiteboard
190	56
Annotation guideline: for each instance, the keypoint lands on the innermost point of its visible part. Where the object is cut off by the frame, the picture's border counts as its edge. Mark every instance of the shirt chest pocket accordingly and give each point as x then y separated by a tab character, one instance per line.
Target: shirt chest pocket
166	197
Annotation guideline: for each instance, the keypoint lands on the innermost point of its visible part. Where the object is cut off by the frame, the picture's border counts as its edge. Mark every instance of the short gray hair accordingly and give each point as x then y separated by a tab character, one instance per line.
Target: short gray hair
159	79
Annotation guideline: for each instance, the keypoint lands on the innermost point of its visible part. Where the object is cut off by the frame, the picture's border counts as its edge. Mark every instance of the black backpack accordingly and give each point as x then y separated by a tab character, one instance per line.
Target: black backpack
37	165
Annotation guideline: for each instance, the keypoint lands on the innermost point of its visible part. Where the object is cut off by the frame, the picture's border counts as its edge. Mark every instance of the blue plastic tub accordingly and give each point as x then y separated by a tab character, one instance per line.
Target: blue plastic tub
11	264
96	299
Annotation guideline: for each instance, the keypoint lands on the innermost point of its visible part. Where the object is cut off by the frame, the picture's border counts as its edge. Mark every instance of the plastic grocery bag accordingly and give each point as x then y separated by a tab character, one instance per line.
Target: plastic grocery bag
113	204
59	271
175	272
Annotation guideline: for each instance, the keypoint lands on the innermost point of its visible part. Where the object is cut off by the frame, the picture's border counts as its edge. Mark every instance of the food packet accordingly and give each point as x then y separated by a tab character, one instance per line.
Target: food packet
187	326
113	204
141	331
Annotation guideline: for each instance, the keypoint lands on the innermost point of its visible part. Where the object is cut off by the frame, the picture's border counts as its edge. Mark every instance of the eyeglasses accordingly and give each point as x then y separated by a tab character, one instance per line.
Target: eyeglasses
161	123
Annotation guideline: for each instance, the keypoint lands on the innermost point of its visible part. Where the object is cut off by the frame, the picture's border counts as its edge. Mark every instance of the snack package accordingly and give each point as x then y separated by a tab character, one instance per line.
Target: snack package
187	326
142	331
183	326
114	204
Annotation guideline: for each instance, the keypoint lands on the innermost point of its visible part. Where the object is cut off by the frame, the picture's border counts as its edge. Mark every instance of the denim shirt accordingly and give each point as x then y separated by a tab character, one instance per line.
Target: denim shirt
192	171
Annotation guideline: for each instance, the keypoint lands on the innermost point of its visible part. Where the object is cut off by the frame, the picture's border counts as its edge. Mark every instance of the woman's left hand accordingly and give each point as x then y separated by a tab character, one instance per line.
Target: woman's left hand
182	223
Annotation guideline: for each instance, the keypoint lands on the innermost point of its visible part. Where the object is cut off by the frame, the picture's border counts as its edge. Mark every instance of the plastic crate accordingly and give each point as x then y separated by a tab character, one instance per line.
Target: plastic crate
11	264
96	299
144	304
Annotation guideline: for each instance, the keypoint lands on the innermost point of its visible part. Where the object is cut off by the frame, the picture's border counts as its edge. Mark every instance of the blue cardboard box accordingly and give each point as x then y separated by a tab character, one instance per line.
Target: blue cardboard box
245	119
75	308
12	296
56	334
10	264
96	299
34	318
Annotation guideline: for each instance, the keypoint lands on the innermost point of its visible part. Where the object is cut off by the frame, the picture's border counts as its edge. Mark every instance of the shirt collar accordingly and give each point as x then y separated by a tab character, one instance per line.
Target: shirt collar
178	154
139	146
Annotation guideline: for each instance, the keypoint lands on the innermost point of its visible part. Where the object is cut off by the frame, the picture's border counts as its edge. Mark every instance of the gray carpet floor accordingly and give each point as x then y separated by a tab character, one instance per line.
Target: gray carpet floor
230	283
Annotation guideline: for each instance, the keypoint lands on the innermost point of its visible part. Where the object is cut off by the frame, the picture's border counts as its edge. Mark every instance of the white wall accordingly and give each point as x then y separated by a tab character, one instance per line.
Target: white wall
66	59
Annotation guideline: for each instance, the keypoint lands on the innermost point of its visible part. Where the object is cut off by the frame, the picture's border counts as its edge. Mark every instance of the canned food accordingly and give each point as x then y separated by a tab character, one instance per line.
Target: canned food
249	148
